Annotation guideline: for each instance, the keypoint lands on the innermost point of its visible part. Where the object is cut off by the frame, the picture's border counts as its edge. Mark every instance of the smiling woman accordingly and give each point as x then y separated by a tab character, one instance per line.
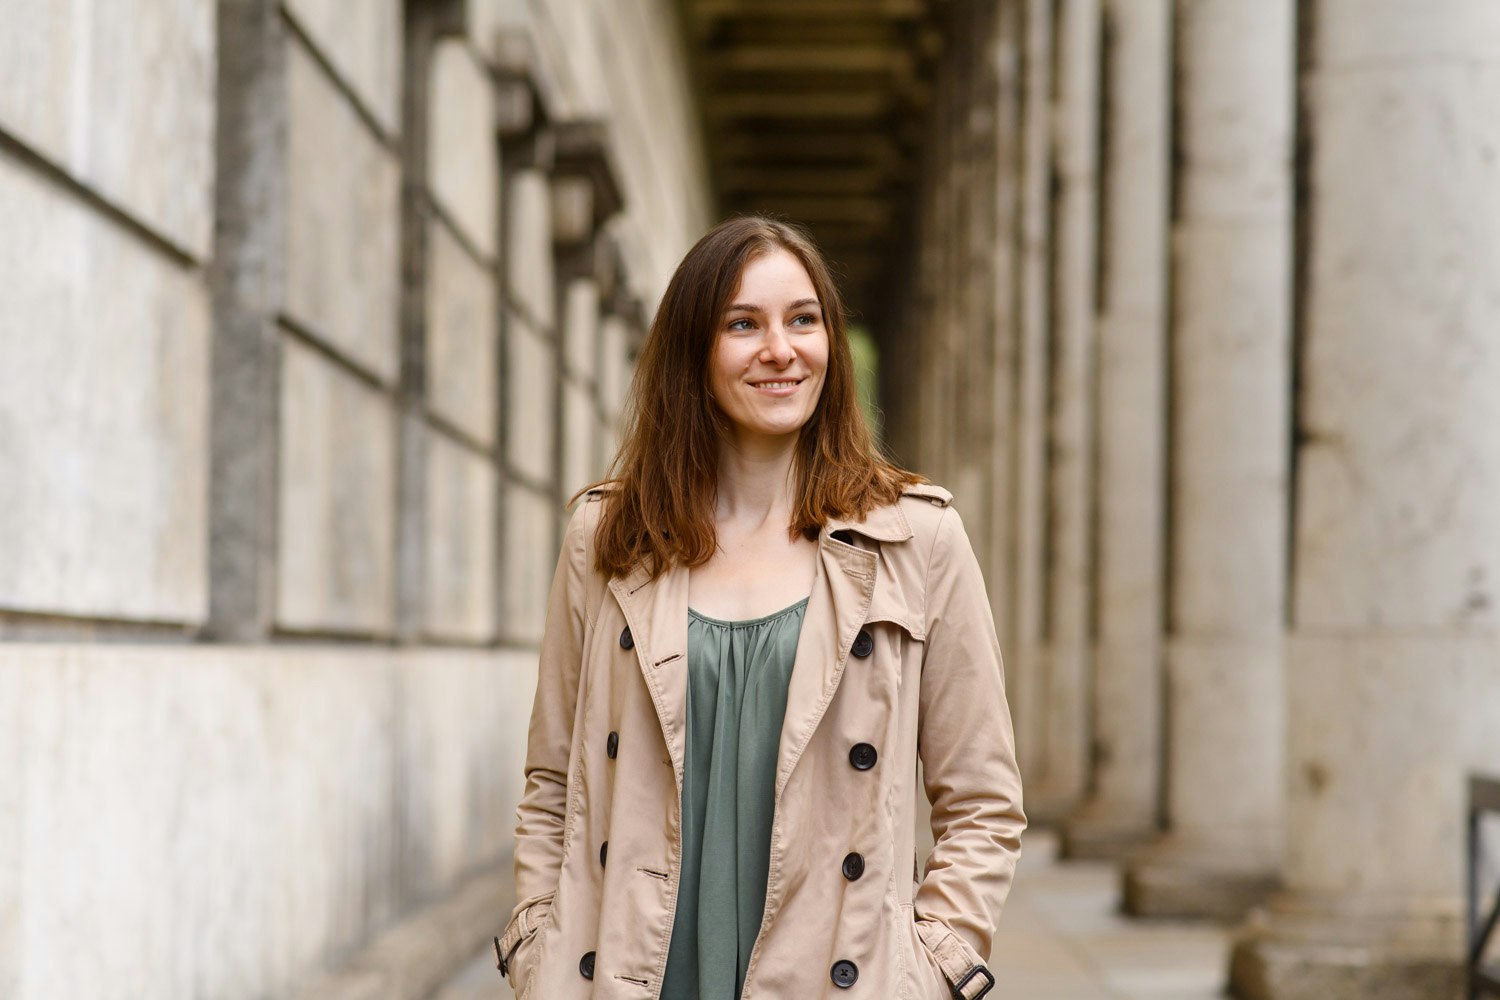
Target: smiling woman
757	628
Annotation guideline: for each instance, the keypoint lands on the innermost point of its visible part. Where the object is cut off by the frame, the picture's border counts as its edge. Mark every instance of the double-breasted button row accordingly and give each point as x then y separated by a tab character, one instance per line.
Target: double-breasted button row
864	645
603	853
627	641
612	745
862	756
844	973
586	965
854	865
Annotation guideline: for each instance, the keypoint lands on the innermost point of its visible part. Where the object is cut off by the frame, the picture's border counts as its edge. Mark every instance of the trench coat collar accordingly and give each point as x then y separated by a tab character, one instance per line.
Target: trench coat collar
656	612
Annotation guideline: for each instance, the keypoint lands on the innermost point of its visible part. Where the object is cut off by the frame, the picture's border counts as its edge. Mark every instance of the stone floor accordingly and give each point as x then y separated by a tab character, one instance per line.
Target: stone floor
1060	938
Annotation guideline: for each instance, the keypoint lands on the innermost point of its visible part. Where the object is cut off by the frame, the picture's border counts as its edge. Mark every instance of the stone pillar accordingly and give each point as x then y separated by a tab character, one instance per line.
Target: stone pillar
1002	72
1230	379
1394	657
1131	494
1024	668
1075	156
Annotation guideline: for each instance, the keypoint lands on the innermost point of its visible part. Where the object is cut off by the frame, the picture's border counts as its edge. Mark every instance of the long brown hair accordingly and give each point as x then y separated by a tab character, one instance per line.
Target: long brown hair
665	475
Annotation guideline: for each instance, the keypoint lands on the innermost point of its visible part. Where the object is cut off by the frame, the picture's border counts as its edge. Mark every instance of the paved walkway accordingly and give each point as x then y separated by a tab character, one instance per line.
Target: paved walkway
1061	938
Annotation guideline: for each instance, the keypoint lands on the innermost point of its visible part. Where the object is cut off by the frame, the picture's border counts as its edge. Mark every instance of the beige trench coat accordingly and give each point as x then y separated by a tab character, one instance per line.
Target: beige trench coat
897	660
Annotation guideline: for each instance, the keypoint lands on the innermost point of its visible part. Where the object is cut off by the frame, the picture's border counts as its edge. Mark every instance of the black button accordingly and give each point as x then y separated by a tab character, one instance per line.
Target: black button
612	745
626	642
862	756
844	973
863	644
854	865
586	965
603	850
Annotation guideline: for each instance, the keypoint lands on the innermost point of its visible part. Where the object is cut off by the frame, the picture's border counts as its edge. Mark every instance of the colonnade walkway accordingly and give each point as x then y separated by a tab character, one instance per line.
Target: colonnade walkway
1061	938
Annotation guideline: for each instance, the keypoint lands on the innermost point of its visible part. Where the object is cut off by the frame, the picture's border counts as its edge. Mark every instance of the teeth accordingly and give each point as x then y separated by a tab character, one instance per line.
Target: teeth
775	385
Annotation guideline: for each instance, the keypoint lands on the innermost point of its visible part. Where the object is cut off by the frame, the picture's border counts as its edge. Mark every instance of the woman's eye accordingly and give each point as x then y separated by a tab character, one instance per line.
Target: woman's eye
809	317
734	324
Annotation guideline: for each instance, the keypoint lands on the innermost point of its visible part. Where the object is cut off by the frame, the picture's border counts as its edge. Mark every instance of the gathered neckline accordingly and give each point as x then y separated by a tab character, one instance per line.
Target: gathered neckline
744	622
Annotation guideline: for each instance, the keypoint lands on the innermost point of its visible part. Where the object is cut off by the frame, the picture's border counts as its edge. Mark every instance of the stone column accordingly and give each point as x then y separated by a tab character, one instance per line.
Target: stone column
1230	377
1024	669
1131	491
1394	657
1065	757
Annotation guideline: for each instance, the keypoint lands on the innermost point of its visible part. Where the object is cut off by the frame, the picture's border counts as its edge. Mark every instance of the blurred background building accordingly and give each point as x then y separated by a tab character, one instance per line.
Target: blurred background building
315	313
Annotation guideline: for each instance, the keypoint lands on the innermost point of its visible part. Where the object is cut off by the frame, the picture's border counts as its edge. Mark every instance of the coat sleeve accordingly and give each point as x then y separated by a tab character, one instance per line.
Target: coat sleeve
541	815
967	748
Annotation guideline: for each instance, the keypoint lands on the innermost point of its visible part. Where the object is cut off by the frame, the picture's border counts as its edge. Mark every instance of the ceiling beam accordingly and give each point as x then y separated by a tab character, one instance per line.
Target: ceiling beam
809	10
856	104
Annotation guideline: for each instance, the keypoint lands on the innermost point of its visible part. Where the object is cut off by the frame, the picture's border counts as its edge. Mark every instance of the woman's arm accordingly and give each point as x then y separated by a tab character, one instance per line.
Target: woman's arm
549	742
967	749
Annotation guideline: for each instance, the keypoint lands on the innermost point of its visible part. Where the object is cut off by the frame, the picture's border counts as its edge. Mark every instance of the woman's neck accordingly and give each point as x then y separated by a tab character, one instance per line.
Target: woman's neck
756	482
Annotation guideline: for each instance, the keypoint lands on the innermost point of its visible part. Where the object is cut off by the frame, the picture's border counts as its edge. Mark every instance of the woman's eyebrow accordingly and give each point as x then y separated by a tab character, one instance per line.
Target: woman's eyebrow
751	308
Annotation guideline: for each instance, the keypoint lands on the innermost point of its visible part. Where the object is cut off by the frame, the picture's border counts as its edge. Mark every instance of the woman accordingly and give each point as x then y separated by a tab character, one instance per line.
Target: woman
756	628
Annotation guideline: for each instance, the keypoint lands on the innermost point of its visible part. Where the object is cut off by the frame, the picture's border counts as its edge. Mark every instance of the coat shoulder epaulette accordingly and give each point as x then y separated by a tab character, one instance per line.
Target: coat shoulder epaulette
931	492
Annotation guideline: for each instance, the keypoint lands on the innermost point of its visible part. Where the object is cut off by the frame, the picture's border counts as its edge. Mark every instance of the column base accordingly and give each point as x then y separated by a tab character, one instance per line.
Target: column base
1092	833
1167	882
1281	956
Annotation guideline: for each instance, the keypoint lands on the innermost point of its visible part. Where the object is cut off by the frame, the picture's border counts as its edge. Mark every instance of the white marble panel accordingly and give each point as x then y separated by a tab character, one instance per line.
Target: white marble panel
121	96
580	431
211	821
531	394
530	557
336	523
343	222
462	336
104	375
581	328
528	246
363	43
463	151
461	525
463	726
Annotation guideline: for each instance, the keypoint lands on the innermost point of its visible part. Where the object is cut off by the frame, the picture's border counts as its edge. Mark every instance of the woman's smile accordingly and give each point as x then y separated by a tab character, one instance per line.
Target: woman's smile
778	387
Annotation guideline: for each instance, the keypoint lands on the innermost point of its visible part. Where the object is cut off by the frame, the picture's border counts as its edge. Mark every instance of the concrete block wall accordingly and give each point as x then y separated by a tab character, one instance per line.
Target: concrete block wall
293	376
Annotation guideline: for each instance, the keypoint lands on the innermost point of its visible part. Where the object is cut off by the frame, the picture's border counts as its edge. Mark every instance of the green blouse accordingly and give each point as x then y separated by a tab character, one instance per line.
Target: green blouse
736	699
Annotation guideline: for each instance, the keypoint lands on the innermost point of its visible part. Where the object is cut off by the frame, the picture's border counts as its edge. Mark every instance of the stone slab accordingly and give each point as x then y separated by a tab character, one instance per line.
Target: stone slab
336	520
121	97
614	372
580	440
463	321
463	151
581	328
530	398
460	795
343	214
529	263
530	559
362	41
104	374
460	545
255	802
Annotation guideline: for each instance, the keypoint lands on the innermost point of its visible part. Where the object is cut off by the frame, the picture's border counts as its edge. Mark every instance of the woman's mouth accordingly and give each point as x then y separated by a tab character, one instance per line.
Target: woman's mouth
778	387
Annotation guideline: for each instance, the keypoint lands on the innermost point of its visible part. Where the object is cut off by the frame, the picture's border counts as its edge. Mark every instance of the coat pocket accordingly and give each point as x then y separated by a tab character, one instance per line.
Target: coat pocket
518	943
927	979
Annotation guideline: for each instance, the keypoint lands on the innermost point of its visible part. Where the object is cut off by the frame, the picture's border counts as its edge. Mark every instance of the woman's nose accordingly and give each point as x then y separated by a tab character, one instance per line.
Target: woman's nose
778	346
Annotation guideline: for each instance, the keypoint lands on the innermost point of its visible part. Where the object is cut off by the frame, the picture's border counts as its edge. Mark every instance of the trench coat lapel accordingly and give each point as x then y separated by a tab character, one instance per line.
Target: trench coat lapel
656	611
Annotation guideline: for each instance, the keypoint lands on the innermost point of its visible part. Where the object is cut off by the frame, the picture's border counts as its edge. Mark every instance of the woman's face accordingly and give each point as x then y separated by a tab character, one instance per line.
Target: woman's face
771	349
